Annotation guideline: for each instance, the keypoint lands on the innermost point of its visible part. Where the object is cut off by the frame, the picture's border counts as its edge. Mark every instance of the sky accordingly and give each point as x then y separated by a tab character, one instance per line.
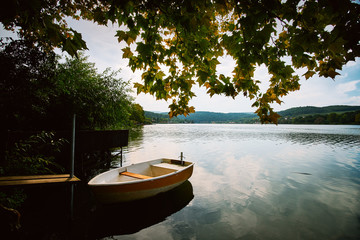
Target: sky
105	51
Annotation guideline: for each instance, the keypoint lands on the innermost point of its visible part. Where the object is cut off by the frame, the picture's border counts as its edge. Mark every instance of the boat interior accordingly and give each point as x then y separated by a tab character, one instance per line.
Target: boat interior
151	170
142	171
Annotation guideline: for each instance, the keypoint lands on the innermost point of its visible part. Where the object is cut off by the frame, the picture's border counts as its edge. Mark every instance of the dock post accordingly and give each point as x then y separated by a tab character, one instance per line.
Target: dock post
72	168
72	147
121	156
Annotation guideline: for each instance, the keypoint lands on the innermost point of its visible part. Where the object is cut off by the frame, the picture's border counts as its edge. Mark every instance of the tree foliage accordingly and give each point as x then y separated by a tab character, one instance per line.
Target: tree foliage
299	115
310	110
32	156
100	100
42	93
331	118
26	84
178	43
204	117
137	114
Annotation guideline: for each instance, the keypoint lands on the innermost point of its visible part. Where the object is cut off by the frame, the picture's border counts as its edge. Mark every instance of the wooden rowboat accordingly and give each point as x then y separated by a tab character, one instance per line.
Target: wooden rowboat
140	180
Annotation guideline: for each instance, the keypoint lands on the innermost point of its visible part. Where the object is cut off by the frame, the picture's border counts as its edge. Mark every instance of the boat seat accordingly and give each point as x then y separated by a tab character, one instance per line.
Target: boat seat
169	166
135	175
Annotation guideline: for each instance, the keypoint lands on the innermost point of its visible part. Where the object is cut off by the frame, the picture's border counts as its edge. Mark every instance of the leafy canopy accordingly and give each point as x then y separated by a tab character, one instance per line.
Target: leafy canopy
100	100
187	37
42	93
26	83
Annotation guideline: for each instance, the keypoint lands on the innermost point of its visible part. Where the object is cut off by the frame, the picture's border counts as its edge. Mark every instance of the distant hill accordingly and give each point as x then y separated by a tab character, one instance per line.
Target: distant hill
298	115
303	111
203	117
153	115
209	117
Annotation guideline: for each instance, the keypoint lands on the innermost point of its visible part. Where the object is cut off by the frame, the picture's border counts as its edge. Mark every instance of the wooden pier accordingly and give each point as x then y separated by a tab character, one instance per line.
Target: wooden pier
38	179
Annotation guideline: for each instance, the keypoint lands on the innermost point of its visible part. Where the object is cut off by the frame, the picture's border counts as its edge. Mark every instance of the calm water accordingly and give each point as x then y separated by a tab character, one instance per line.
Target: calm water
252	182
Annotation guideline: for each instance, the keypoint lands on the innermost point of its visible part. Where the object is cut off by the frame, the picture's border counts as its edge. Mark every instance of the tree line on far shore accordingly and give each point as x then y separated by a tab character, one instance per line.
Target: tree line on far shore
331	118
299	115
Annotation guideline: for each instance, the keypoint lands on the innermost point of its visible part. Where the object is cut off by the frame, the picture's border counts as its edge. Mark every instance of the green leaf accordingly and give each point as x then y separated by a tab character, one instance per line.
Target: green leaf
202	77
332	73
122	35
309	74
160	75
213	63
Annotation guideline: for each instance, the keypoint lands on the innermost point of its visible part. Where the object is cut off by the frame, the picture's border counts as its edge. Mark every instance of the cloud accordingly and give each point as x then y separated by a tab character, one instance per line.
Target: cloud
149	103
352	64
104	48
354	100
320	91
347	87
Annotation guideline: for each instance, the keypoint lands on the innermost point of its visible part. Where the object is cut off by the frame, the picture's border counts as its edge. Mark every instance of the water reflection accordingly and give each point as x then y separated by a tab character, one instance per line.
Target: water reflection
318	138
136	137
203	133
261	182
127	218
249	182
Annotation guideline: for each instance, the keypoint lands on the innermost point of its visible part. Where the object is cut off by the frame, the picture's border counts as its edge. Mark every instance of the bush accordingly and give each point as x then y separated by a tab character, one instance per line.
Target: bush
35	155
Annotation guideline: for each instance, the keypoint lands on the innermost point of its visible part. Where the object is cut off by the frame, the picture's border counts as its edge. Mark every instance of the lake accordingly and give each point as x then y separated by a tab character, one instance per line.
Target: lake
249	182
256	181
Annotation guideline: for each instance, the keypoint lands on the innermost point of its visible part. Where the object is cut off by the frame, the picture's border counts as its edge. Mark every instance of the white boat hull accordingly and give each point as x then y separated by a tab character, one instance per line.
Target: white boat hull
139	181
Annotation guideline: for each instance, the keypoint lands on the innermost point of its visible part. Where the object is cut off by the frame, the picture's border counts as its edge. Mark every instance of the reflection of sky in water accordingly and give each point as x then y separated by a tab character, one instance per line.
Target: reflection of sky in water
260	181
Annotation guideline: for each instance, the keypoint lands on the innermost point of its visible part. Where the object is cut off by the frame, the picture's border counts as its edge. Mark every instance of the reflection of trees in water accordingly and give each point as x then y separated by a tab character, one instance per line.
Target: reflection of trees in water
339	140
136	139
93	163
302	138
204	133
90	164
131	217
136	136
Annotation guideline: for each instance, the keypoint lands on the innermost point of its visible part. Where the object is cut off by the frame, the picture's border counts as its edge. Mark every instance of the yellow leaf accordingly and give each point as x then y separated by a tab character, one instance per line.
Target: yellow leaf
167	87
130	40
191	109
207	85
282	34
127	52
139	87
278	101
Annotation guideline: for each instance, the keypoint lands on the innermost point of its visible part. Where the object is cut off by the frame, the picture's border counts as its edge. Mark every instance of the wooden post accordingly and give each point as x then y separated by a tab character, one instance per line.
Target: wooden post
72	167
71	201
121	156
72	147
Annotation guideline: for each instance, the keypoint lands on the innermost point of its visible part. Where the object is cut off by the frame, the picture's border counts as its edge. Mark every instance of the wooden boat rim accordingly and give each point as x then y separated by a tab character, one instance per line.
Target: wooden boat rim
91	183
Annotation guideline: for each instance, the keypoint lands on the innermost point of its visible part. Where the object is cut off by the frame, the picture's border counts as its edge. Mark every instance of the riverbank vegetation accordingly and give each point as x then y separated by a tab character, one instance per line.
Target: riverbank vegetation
331	118
40	94
321	115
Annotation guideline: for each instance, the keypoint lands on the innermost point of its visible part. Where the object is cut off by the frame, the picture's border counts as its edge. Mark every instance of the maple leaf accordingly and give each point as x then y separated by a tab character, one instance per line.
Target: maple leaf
127	52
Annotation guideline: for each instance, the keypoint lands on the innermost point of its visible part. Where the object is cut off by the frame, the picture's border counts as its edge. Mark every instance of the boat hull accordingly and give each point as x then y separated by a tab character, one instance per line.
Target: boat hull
139	189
